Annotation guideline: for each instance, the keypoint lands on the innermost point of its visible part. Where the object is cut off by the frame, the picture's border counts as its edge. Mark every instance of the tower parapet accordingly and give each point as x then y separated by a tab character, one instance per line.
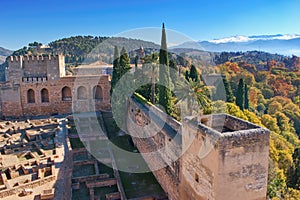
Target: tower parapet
50	66
224	157
14	70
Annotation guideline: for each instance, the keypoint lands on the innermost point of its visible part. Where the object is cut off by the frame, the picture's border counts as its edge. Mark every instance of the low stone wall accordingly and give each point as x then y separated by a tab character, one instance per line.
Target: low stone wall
33	184
90	178
101	183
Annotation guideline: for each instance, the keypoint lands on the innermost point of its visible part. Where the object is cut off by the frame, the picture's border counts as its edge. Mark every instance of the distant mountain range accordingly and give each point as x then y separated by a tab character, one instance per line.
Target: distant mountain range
280	44
76	48
4	53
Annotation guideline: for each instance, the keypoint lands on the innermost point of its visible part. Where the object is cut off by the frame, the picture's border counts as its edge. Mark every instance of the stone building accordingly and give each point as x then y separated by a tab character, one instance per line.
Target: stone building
216	157
38	85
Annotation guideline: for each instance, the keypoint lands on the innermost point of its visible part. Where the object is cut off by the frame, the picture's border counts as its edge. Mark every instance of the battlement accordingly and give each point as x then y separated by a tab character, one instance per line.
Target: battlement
224	157
12	59
35	58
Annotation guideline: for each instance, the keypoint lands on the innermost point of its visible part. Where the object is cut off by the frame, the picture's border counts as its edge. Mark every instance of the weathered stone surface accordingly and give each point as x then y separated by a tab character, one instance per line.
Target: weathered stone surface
225	159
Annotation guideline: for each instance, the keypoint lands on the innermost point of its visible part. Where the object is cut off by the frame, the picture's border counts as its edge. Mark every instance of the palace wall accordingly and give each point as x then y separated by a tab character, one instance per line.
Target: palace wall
37	85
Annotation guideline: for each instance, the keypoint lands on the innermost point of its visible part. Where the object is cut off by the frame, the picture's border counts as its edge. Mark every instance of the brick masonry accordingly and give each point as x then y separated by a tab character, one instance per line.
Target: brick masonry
29	76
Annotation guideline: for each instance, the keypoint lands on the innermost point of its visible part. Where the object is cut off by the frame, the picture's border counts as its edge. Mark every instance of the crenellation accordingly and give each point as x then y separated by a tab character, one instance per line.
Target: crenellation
35	87
15	58
223	157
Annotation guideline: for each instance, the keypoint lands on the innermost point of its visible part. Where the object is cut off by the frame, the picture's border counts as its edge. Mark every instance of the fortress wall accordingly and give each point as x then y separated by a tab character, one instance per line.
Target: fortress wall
56	105
225	159
34	66
11	101
243	159
168	177
199	163
56	67
48	72
14	71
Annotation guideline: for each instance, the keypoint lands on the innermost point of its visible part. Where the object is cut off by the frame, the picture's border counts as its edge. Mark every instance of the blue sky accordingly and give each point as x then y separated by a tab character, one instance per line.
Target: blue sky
44	21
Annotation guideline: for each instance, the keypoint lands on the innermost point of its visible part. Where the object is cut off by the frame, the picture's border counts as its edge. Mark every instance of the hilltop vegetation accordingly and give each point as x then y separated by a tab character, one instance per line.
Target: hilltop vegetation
274	102
80	49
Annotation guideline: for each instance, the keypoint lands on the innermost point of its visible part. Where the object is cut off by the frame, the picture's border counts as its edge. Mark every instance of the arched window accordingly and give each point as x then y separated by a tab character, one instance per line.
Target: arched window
66	94
30	96
97	92
45	95
81	93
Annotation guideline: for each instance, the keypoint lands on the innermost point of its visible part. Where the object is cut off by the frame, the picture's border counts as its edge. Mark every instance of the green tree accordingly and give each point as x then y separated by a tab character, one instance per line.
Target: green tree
246	97
270	122
187	76
174	69
124	62
229	93
116	69
234	110
164	75
295	171
274	107
261	108
240	94
194	73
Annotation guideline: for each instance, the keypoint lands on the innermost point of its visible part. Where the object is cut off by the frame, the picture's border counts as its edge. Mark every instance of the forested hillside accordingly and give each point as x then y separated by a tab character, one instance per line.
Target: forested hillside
272	99
78	49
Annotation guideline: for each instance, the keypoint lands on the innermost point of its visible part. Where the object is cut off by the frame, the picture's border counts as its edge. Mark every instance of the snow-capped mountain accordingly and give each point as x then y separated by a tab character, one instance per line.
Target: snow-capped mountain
281	44
3	54
255	38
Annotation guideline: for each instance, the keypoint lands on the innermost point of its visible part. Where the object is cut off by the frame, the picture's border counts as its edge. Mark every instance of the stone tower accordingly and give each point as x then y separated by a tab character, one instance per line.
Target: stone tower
221	157
38	85
13	72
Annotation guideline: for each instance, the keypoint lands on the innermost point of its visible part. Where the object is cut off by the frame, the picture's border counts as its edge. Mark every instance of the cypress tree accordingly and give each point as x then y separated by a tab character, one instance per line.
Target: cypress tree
194	73
240	94
136	59
124	62
229	93
246	97
173	66
187	76
164	74
116	69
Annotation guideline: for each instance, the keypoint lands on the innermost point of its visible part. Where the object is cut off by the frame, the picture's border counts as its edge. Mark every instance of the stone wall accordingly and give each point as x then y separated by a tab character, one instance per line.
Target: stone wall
32	184
225	159
47	73
168	177
243	164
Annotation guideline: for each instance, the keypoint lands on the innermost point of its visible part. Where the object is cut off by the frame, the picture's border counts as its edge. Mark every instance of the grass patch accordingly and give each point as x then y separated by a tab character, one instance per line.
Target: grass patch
82	194
139	185
80	157
111	127
135	184
105	190
73	130
141	99
83	170
76	143
104	169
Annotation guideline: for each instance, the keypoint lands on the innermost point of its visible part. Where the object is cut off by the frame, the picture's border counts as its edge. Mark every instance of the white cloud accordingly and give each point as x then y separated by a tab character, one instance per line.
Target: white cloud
287	37
247	39
231	39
